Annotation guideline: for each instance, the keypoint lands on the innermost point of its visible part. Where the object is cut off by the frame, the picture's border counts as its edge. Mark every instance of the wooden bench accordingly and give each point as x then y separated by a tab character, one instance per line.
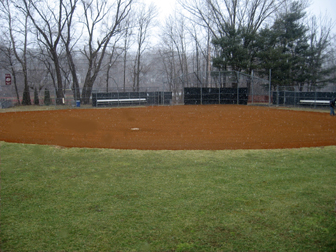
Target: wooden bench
140	100
317	102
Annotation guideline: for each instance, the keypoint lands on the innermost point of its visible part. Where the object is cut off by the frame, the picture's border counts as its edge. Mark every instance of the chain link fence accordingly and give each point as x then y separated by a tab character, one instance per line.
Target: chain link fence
228	87
291	96
225	87
99	98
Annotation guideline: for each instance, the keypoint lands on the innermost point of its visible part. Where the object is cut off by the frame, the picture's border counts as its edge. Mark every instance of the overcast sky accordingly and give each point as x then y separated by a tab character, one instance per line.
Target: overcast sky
324	7
317	7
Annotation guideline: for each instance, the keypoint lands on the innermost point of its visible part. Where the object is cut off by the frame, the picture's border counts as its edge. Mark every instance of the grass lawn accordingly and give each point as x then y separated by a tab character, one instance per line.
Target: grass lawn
59	199
42	108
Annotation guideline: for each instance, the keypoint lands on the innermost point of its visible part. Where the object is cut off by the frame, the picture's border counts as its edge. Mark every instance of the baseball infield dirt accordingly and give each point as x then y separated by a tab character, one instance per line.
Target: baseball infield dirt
208	127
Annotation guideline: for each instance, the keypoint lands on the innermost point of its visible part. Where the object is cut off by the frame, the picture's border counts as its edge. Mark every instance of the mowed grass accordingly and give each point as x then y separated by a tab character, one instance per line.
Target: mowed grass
59	199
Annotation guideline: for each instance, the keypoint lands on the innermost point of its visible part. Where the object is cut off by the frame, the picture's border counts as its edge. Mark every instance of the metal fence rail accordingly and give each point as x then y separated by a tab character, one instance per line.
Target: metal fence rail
258	89
227	87
152	96
292	97
102	98
204	96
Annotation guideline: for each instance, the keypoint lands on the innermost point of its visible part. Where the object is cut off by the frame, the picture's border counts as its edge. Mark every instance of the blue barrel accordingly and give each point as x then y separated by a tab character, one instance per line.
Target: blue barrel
78	103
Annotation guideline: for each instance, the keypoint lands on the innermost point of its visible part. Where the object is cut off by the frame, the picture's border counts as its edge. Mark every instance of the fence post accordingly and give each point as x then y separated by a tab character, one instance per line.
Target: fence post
315	98
96	98
220	79
55	95
277	95
238	88
252	88
269	91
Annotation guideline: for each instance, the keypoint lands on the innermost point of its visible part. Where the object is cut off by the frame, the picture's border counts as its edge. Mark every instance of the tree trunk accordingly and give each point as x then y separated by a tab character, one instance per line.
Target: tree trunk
138	73
59	90
75	85
15	84
26	94
36	97
87	90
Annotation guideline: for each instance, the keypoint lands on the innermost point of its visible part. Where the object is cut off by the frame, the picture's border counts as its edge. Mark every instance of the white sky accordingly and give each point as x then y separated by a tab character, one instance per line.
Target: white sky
324	7
317	7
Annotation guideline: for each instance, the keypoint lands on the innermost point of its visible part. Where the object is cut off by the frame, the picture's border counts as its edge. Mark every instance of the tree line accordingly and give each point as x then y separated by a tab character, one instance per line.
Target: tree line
84	44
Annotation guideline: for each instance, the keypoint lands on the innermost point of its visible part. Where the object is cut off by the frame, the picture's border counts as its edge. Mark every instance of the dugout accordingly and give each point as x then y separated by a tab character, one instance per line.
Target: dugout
295	98
115	99
194	96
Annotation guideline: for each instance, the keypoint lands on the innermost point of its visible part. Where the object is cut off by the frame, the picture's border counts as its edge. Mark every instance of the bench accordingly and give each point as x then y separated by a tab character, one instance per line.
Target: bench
121	100
317	102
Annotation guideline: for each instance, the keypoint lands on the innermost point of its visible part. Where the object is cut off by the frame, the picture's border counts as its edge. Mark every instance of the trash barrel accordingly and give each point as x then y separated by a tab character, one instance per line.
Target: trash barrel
78	103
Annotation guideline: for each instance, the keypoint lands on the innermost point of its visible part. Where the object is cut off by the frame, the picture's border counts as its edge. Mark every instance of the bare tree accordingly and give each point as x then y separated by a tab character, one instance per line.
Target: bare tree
320	54
9	64
19	36
219	15
43	57
109	20
144	21
175	32
49	21
113	56
203	52
69	43
167	57
128	33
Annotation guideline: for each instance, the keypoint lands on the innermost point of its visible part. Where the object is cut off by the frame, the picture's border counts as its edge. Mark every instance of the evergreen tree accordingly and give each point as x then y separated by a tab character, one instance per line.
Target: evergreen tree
293	41
232	51
270	57
283	48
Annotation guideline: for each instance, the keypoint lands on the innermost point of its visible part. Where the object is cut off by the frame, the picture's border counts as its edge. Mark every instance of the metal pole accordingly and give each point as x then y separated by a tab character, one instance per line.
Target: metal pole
315	98
55	98
277	95
163	94
220	79
201	92
269	87
219	88
96	98
252	88
238	88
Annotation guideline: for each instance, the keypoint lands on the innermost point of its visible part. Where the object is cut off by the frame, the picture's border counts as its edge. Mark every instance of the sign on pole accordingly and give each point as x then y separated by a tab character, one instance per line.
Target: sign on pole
8	78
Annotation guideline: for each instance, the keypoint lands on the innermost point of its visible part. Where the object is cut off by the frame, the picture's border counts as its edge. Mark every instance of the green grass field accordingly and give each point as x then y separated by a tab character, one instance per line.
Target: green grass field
60	199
